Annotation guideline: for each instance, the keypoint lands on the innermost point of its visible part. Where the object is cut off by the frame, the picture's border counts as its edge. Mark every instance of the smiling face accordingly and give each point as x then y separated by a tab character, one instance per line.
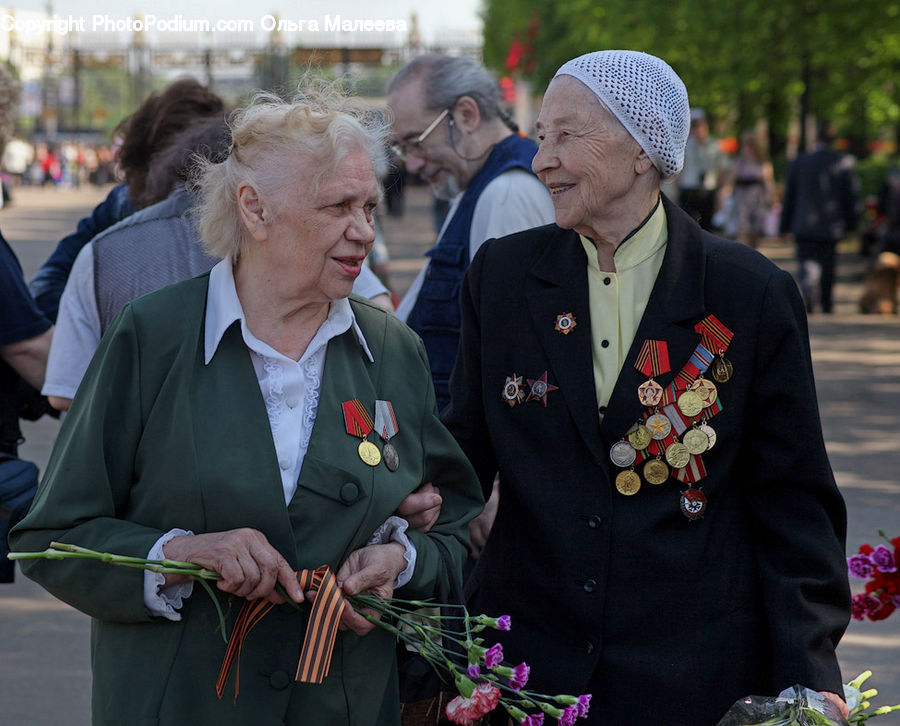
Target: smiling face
586	158
315	244
434	159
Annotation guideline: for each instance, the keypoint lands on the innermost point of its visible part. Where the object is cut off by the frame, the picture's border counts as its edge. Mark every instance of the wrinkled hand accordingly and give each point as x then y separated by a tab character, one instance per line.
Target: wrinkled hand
370	569
250	567
837	701
421	508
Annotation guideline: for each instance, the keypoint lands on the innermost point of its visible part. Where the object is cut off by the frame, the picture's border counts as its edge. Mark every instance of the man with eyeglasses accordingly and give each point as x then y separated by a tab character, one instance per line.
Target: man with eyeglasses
449	128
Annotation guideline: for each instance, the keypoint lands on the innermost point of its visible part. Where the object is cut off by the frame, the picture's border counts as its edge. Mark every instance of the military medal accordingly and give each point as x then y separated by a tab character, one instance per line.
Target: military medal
359	423
539	389
387	427
716	337
513	390
656	471
696	440
677	455
622	454
628	482
652	361
722	369
710	433
659	426
690	403
706	389
565	323
693	503
639	437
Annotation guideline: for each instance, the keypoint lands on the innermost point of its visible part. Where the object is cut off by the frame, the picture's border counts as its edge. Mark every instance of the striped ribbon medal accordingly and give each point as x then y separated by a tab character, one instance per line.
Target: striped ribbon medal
387	427
359	423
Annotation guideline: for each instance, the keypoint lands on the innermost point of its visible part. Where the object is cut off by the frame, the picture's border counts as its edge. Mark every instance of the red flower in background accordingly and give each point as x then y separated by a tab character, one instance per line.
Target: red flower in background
880	566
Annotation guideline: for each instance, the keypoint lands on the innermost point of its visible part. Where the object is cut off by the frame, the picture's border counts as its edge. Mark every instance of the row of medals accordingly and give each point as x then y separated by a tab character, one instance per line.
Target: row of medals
698	439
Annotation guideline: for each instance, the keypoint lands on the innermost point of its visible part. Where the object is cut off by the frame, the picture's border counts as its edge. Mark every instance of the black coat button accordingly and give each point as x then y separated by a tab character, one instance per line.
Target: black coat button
607	280
589	585
279	680
594	521
604	344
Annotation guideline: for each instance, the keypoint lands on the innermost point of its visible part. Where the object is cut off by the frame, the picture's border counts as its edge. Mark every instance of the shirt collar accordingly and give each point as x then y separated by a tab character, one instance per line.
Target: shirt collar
223	308
642	243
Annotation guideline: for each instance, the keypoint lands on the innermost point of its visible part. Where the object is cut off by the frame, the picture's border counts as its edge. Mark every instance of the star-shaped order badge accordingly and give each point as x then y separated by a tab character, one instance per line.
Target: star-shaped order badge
539	389
565	323
513	390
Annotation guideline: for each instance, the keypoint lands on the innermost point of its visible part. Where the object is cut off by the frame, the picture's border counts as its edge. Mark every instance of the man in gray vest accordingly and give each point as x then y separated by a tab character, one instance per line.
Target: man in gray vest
449	127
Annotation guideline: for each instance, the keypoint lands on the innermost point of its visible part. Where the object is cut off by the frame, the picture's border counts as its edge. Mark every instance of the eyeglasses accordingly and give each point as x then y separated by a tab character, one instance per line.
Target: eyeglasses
403	148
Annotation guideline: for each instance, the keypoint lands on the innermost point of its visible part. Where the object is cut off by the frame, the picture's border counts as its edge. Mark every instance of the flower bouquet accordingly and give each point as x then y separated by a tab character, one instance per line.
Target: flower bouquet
480	675
878	565
799	706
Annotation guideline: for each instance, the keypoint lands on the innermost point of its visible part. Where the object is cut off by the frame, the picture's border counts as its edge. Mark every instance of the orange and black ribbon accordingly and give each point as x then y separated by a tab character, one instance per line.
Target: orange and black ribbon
715	336
357	420
321	630
653	360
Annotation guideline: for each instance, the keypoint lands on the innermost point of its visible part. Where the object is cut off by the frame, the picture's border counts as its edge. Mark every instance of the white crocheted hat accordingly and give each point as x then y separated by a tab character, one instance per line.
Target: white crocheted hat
647	97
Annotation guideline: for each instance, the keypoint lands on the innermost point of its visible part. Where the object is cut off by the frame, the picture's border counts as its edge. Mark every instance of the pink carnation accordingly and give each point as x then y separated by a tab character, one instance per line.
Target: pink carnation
883	559
520	676
493	656
584	705
535	719
504	622
569	716
483	700
860	566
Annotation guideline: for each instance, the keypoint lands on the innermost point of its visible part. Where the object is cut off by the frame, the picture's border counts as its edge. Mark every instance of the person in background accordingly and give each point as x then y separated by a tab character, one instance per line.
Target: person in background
669	537
449	127
752	191
227	421
144	133
819	208
704	168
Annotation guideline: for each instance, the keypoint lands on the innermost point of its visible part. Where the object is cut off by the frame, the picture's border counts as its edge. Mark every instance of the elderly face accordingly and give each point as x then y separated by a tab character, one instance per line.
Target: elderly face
316	243
434	159
586	157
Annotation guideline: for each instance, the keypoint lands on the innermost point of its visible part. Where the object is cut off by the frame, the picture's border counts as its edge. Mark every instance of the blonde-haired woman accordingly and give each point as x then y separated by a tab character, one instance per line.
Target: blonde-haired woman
216	425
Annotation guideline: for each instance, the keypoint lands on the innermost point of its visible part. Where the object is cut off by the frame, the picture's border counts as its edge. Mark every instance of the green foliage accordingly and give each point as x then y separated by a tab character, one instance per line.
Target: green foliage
741	60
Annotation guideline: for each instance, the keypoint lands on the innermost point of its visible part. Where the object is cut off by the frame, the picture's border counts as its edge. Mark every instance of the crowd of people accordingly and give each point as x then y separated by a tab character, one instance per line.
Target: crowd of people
599	410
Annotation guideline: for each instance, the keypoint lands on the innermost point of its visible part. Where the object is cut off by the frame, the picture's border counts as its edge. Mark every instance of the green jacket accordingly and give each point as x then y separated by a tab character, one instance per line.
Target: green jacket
156	439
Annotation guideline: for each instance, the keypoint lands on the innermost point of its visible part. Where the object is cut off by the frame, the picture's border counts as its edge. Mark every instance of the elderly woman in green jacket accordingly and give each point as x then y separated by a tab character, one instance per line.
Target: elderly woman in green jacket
257	421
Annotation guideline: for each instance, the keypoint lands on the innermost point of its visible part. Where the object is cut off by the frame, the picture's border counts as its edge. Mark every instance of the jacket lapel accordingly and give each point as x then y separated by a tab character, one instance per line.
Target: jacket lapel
676	304
557	286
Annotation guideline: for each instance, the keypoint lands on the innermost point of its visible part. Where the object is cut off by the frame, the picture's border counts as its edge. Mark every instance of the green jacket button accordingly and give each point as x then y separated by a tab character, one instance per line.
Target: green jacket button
349	492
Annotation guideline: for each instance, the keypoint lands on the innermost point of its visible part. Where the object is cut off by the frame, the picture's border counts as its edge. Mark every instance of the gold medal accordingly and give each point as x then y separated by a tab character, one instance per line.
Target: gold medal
628	483
656	471
639	437
622	454
696	441
690	403
659	426
369	453
721	369
650	393
707	391
710	433
678	455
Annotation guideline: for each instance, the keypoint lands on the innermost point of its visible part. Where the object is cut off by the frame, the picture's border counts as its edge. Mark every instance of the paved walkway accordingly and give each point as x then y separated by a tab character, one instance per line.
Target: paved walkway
44	645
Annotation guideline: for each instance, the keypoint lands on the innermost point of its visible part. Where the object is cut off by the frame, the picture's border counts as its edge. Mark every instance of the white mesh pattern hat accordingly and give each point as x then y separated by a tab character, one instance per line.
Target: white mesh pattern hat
647	97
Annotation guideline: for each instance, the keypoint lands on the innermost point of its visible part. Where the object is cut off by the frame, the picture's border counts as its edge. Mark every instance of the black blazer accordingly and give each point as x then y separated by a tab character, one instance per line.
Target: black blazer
666	620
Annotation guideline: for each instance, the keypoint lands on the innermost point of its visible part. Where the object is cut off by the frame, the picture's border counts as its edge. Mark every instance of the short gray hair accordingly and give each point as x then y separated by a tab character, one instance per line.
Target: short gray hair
275	143
446	79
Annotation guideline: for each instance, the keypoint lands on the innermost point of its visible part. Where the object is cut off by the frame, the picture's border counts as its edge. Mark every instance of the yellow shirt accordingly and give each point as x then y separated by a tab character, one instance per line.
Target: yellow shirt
617	299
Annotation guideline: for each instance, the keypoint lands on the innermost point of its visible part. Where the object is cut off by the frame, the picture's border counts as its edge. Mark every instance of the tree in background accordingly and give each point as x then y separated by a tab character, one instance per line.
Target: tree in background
742	61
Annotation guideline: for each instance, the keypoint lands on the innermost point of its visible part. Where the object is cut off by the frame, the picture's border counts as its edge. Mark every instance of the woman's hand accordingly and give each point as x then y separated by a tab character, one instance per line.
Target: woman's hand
421	508
370	569
250	567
